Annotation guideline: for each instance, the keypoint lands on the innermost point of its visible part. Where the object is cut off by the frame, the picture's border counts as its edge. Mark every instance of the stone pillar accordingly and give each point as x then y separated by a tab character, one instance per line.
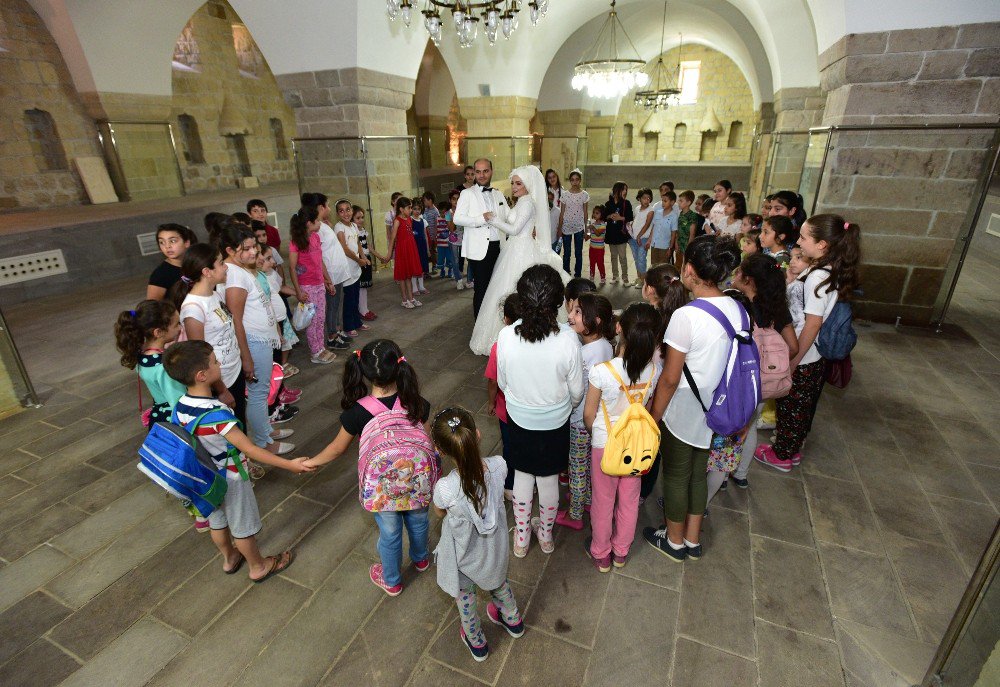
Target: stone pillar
334	110
564	147
910	191
433	140
490	123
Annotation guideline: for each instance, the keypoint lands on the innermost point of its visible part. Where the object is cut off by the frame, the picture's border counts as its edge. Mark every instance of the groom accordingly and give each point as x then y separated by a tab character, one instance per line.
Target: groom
481	242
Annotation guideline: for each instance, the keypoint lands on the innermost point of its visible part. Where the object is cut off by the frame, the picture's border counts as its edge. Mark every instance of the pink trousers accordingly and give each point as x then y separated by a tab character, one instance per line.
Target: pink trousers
614	510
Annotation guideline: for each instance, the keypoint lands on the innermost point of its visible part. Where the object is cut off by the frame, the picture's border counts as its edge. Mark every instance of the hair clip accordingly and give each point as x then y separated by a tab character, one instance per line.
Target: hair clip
453	423
132	314
357	352
847	226
185	279
673	279
401	359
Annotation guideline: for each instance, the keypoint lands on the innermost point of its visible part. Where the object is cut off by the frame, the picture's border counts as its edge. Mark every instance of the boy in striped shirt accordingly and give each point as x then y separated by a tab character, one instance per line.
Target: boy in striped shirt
236	522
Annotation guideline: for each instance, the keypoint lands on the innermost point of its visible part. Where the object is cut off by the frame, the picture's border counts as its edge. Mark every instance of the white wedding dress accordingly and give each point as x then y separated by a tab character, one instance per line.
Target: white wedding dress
519	252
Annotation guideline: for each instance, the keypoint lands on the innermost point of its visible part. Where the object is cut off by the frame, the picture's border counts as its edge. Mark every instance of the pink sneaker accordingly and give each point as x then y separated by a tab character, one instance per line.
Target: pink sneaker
421	566
619	561
289	395
201	525
562	518
375	573
765	454
796	459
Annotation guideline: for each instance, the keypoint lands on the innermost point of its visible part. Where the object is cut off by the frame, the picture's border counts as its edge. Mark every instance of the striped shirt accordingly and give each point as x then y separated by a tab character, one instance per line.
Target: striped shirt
211	432
597	234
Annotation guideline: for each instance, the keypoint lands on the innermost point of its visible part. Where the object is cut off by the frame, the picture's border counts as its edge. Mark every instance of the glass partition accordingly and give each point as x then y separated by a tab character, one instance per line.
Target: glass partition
16	390
563	154
506	153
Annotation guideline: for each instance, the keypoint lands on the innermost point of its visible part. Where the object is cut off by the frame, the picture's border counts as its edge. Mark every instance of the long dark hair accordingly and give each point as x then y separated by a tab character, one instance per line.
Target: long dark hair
598	315
314	199
382	363
231	236
184	232
843	253
665	281
784	230
298	225
789	200
134	327
618	191
541	290
713	258
199	257
770	299
454	435
739	203
641	328
558	180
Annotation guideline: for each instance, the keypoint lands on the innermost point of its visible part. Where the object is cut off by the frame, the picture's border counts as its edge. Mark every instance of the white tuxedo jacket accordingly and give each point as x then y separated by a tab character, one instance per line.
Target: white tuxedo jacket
469	214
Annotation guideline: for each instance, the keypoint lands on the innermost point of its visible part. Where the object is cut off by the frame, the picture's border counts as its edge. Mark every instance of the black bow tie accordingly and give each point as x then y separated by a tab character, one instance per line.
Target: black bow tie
486	188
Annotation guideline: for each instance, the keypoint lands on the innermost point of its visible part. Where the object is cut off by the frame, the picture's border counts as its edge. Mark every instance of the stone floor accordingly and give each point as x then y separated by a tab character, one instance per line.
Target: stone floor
845	572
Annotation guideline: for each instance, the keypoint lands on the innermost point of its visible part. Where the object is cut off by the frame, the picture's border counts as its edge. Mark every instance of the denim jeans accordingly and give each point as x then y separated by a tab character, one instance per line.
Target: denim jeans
639	255
260	425
352	317
577	241
446	262
390	540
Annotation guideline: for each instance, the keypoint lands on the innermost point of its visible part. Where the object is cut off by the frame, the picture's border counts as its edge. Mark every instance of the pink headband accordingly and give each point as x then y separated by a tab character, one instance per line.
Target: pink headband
847	226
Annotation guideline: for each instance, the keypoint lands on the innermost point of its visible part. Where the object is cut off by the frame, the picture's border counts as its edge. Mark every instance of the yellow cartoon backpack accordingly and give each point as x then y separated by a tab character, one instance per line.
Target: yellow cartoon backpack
635	437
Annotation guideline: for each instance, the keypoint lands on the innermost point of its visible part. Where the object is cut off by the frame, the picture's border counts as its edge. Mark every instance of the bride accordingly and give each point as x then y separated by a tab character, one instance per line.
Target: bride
529	243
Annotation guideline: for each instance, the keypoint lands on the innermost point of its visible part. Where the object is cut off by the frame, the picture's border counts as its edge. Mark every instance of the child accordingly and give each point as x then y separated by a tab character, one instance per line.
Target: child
257	209
431	216
309	277
794	286
640	233
634	368
761	280
574	287
446	265
497	405
347	234
420	237
706	211
390	216
735	210
540	371
573	216
777	235
594	323
472	551
141	336
406	265
366	271
834	246
687	224
173	241
663	240
337	272
265	266
394	387
765	206
596	231
750	243
455	239
788	204
260	231
554	213
665	292
236	522
751	222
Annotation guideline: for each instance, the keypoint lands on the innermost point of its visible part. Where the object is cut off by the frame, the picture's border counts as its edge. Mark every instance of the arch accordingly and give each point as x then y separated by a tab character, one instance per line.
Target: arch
735	134
44	139
193	152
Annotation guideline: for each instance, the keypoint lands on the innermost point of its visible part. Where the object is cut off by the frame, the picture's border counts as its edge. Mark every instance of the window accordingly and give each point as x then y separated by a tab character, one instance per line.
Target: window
278	133
627	136
44	140
689	82
187	56
680	135
707	151
237	146
650	146
192	141
248	55
735	134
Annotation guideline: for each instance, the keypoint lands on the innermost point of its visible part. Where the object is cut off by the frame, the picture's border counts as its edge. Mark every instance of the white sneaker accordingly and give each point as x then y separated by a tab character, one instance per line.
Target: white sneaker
408	304
416	303
282	448
762	424
323	358
279	434
459	285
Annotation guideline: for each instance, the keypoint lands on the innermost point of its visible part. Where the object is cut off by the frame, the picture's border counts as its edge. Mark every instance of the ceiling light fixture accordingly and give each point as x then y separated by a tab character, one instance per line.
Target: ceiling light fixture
665	92
605	72
497	16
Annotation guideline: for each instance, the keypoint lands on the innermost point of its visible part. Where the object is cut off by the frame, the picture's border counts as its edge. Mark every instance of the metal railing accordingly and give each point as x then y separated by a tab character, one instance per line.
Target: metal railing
16	372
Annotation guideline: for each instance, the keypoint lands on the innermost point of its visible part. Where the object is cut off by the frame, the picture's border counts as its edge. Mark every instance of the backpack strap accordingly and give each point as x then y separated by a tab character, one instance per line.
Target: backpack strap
232	453
694	388
373	405
720	316
628	394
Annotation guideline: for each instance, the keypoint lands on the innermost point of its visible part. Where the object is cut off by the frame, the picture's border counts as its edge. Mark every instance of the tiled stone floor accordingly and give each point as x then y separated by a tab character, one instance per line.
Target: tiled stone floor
845	572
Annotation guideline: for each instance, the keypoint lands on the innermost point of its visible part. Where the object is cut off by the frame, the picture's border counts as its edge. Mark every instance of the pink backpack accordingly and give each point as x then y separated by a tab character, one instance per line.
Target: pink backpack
397	464
775	368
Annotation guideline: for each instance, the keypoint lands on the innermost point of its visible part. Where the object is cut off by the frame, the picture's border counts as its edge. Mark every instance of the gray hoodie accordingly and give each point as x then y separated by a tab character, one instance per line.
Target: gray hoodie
473	546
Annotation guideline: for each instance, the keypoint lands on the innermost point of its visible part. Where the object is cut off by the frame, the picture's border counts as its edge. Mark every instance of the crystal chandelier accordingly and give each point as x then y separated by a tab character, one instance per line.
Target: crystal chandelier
603	71
497	16
665	91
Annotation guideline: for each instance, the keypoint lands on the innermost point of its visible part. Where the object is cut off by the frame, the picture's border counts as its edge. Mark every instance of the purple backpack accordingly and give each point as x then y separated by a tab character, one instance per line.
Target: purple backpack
739	392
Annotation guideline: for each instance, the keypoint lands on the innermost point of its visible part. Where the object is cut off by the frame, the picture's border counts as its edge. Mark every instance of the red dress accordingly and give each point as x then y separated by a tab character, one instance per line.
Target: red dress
406	259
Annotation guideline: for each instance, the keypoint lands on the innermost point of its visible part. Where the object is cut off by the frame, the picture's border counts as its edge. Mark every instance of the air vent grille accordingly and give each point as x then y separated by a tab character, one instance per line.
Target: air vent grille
147	243
32	266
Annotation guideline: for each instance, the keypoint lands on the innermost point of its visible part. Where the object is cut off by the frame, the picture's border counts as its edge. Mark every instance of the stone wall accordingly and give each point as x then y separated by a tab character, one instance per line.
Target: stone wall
911	191
33	75
202	92
721	87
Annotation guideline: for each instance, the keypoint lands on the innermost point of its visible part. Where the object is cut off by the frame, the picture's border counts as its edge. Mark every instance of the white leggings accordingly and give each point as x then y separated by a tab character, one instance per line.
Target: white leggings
548	506
363	301
417	283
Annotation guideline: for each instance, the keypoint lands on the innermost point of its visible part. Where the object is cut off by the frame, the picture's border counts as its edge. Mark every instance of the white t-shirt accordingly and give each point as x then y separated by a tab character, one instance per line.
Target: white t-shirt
219	331
593	353
706	346
333	255
574	219
612	396
717	215
554	212
815	305
350	233
729	228
274	281
278	260
639	221
259	320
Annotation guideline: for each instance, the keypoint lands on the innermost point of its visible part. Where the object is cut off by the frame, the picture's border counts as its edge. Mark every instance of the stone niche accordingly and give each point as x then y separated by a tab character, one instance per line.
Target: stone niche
33	77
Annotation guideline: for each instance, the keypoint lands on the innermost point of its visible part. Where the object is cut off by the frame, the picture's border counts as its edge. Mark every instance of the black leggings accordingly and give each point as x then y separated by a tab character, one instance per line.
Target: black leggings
239	391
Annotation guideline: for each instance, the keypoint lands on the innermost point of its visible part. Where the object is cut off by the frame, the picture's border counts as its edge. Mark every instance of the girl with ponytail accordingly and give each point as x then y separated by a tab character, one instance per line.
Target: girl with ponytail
394	387
309	277
834	246
141	336
472	551
788	204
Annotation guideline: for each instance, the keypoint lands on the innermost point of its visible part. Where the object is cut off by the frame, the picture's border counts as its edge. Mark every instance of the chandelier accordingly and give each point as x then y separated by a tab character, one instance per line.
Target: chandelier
498	17
665	91
603	71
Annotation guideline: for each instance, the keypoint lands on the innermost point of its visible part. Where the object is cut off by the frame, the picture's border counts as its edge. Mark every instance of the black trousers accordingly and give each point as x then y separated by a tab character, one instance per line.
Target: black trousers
482	270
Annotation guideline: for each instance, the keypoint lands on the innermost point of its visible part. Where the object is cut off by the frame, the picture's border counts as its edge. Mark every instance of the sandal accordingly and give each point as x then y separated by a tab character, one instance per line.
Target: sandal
279	564
236	568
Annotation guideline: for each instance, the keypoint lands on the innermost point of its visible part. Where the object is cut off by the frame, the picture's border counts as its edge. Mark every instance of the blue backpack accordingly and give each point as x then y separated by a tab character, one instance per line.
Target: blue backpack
174	459
836	338
738	393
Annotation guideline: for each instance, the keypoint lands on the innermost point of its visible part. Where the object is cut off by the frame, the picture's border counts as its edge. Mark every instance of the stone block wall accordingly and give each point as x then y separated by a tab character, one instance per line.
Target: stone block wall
563	145
911	191
721	86
33	75
148	160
